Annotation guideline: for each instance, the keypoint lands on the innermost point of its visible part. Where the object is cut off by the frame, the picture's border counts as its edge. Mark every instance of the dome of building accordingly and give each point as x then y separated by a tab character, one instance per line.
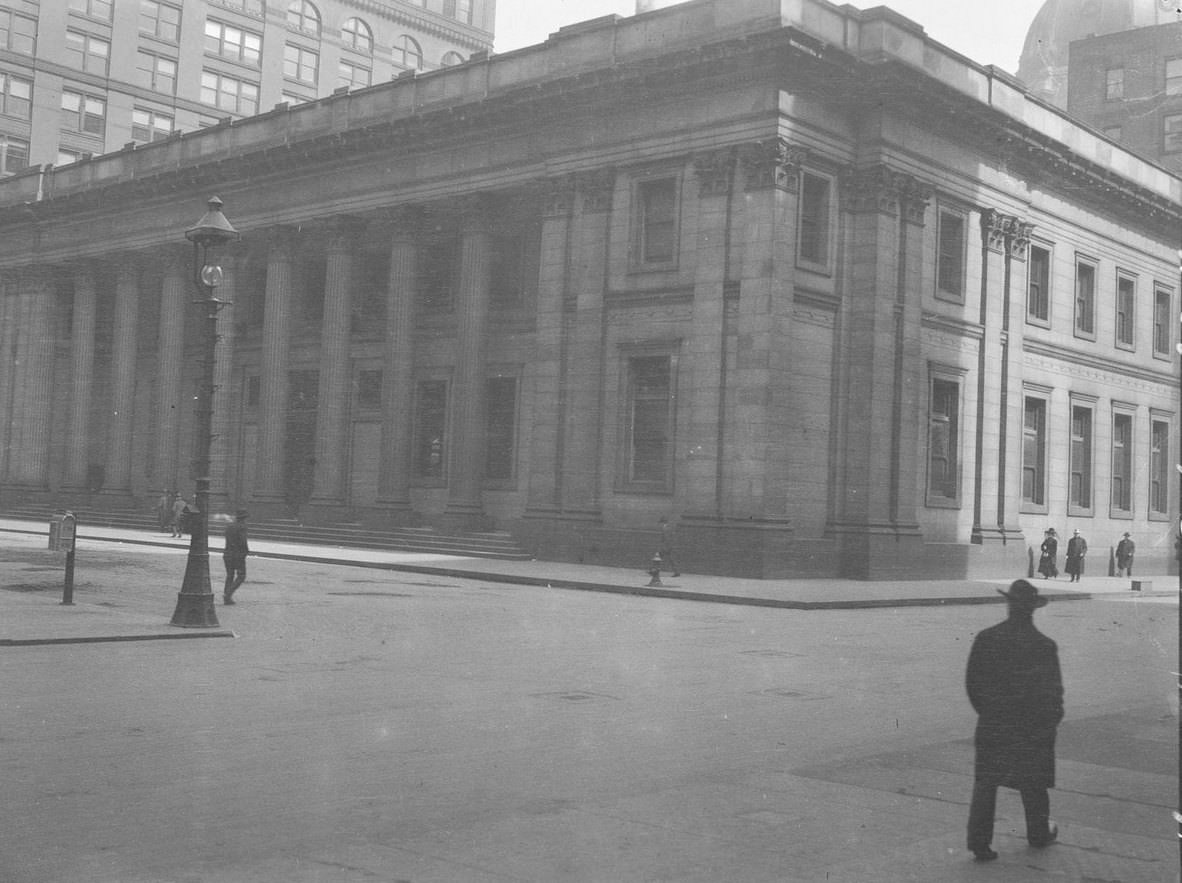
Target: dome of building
1043	65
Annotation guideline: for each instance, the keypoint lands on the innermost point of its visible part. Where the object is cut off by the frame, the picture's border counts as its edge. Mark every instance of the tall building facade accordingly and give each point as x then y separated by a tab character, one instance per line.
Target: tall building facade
830	297
84	77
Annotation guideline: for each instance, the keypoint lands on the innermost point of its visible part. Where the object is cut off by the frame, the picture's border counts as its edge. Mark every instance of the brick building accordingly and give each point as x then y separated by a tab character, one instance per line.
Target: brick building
832	297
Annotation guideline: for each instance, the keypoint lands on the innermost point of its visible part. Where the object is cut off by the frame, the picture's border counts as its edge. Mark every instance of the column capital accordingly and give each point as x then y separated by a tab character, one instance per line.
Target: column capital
713	169
342	233
558	196
595	187
476	215
772	163
404	222
880	188
995	227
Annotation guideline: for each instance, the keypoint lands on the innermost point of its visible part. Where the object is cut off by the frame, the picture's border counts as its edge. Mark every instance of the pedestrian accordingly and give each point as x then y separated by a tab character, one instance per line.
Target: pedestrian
668	538
1048	553
1125	550
164	510
1016	688
234	556
1077	548
180	510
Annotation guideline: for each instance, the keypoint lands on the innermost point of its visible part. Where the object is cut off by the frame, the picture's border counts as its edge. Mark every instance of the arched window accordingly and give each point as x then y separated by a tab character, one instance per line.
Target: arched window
303	15
408	53
356	35
450	58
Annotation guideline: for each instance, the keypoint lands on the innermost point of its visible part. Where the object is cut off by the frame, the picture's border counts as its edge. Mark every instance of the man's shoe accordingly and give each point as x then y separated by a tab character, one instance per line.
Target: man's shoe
1052	836
984	855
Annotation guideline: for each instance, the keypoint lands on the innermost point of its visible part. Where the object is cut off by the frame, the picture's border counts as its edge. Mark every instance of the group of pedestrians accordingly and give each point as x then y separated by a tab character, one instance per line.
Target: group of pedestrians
1077	550
173	512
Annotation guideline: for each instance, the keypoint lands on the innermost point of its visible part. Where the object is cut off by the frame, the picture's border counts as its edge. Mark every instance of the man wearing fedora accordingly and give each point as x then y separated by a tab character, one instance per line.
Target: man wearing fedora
1125	550
234	556
1016	688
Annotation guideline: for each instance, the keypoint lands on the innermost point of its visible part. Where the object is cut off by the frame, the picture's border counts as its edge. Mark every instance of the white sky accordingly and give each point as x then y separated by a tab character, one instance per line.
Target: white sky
988	33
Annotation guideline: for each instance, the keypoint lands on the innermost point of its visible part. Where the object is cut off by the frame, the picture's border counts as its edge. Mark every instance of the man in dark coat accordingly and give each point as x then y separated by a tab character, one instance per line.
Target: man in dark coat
1077	548
234	556
1015	686
1125	550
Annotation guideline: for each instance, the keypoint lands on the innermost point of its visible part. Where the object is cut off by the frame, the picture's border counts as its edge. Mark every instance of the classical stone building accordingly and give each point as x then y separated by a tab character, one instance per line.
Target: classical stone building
828	295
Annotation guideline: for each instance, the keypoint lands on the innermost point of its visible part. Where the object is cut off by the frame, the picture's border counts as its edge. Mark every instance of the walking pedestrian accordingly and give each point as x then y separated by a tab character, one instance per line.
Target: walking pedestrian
1048	553
234	556
1077	548
180	509
1015	686
668	540
1125	550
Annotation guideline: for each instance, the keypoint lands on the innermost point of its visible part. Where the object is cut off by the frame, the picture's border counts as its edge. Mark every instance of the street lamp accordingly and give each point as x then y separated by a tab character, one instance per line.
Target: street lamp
194	604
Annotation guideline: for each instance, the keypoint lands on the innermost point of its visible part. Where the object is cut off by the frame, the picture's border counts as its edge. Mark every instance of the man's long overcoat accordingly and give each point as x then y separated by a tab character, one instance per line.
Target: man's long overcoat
1016	688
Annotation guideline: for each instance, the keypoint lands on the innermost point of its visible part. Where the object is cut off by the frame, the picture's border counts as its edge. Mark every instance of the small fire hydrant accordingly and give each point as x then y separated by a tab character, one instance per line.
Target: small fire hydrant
654	570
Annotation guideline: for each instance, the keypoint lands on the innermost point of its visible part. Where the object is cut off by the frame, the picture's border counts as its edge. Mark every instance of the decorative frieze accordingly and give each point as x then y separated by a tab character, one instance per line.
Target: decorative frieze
772	163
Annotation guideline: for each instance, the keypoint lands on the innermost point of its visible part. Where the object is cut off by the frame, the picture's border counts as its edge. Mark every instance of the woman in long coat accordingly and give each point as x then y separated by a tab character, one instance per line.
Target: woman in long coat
1048	553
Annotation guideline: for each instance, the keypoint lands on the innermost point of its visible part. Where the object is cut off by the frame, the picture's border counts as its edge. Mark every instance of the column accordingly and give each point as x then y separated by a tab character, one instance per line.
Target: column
29	466
117	477
81	378
987	482
10	304
177	290
269	480
464	506
398	363
224	494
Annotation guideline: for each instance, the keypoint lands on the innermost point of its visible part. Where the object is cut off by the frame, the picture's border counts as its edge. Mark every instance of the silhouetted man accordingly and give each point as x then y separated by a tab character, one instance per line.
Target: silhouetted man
234	556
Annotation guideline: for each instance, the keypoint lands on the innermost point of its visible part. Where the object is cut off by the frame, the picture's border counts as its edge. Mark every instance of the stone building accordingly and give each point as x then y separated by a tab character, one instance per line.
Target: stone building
829	296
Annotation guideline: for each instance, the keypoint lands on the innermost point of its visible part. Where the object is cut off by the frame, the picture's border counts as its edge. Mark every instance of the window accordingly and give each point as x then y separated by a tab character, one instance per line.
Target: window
950	254
1034	452
355	76
293	99
228	93
87	53
236	44
812	234
656	221
1173	76
66	157
1159	468
408	53
357	36
1114	84
1085	299
1080	467
649	423
369	389
84	113
451	58
160	20
943	442
156	72
1126	297
150	125
14	154
1038	284
1161	322
458	9
16	99
500	428
1172	133
430	418
18	33
303	16
93	8
301	64
438	262
253	7
1122	463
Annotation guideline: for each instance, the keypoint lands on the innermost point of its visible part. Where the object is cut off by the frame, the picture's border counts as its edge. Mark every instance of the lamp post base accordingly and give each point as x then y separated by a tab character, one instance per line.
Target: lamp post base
194	602
194	612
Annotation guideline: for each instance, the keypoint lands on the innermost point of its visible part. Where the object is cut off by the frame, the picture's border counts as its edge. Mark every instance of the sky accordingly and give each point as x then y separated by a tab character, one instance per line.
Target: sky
988	32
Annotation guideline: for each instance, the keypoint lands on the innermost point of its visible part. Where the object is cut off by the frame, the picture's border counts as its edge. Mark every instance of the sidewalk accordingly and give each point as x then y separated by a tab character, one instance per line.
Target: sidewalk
40	620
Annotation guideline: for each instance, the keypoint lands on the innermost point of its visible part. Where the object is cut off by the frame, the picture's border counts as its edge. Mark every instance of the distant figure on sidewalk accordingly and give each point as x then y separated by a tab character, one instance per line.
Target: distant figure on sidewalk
1048	553
668	539
180	511
1125	550
234	556
164	509
1077	548
1016	688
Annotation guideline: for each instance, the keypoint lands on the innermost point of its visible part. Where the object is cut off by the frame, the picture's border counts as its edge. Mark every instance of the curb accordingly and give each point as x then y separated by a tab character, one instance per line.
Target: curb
103	639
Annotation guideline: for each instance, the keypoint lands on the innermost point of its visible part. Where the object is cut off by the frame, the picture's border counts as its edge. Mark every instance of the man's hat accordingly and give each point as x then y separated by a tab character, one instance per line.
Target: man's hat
1127	534
1023	593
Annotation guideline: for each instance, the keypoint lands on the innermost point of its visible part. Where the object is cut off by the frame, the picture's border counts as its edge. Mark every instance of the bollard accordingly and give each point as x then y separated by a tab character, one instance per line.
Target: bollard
63	530
654	571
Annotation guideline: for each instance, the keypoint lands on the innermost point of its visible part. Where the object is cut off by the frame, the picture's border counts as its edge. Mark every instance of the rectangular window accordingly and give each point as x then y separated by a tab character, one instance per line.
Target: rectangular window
656	222
1159	468
355	76
1161	322
1173	76
369	389
160	20
943	442
812	235
649	422
500	428
1034	452
18	33
236	44
430	418
1114	84
156	72
1171	125
16	99
301	64
950	255
94	8
1126	300
87	53
66	157
1080	483
229	93
1038	284
14	154
84	113
253	7
1122	463
1085	299
150	125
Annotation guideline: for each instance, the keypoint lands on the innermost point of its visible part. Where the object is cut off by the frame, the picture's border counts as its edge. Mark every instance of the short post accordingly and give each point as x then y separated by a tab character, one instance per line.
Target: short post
654	570
63	531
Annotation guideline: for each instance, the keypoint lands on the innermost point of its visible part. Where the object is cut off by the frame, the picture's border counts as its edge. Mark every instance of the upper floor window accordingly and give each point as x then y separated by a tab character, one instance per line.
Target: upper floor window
1171	130
233	43
356	35
1161	322
1126	301
150	125
66	157
18	33
254	7
1173	76
813	220
303	16
408	53
161	20
1038	284
950	253
84	113
14	154
16	99
1114	83
87	53
1122	463
301	64
355	76
458	9
94	8
656	221
229	93
451	58
1085	299
156	72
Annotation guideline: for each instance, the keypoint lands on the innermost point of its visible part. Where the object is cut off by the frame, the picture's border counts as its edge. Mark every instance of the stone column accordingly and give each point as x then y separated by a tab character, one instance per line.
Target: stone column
269	488
465	508
224	494
398	364
176	291
332	412
117	479
81	379
29	467
986	480
10	314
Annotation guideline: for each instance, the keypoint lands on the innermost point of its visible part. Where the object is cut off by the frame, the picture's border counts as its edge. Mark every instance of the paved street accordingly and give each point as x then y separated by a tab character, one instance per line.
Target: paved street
373	726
